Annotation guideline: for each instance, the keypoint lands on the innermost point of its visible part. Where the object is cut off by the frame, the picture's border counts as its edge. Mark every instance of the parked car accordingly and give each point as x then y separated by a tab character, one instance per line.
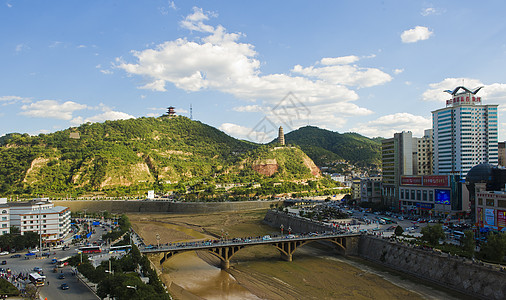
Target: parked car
64	286
4	253
16	256
61	276
4	262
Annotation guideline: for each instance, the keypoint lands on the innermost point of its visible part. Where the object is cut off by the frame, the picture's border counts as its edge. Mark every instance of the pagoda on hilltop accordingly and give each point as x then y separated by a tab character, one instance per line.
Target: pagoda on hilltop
281	136
171	112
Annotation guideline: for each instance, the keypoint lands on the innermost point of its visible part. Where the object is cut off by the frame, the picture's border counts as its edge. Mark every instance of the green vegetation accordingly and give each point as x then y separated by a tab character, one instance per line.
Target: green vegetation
129	157
14	240
326	147
494	249
7	289
398	231
432	234
123	282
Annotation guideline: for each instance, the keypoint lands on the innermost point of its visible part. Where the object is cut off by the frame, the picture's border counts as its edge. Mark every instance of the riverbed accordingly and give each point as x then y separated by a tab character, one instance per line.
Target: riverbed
258	272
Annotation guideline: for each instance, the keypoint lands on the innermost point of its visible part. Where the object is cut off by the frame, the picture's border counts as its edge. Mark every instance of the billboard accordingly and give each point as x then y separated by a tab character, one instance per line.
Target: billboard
411	180
435	180
490	216
501	218
479	216
442	197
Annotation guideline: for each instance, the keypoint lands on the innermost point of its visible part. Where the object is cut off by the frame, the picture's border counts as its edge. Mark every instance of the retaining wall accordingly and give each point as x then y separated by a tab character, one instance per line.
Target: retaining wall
130	206
275	219
457	273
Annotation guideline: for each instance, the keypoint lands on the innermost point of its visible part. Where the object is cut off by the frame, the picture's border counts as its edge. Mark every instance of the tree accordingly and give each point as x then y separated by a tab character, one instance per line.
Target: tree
495	247
398	231
468	243
432	234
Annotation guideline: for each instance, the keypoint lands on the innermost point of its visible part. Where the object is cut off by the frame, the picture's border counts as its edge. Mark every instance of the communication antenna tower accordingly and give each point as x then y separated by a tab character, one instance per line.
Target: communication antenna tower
191	112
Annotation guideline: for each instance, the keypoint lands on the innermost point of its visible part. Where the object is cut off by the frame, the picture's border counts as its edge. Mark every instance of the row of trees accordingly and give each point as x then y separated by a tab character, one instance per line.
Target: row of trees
14	240
123	282
493	250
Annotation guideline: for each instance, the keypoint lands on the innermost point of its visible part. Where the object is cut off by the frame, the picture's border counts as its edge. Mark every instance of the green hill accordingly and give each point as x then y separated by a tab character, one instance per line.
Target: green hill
325	146
130	156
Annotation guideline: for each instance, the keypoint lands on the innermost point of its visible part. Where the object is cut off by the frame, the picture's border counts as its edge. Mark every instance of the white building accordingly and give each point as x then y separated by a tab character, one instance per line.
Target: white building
465	133
5	222
41	216
423	160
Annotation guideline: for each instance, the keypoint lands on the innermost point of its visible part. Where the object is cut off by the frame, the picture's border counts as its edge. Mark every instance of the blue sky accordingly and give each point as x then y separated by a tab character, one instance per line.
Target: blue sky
246	67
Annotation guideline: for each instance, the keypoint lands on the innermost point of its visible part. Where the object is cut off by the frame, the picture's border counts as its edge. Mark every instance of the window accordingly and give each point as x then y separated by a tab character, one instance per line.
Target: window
413	195
402	194
431	196
4	218
480	201
4	225
418	195
4	211
490	202
501	203
424	196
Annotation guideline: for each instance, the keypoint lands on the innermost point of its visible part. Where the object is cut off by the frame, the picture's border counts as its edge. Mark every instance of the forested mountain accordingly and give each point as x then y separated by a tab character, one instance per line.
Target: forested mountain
127	157
325	146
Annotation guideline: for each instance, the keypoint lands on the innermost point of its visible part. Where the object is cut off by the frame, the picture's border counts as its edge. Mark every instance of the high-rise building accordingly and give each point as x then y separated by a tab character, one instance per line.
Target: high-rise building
464	133
423	162
501	160
397	159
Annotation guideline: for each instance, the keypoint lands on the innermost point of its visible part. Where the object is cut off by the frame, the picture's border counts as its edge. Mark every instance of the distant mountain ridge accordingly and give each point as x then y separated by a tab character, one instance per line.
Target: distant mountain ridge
324	146
131	156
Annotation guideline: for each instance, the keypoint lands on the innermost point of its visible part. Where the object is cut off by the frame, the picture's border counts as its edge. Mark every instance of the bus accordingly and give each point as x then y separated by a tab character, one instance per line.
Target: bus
386	220
124	248
37	279
90	249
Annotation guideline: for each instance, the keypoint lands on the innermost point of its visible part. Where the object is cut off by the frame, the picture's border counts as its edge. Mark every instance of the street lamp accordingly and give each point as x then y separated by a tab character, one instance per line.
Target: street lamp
157	241
289	230
40	227
282	227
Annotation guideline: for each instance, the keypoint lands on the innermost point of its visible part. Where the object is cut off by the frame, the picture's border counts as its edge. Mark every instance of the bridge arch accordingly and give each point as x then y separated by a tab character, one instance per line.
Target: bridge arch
288	247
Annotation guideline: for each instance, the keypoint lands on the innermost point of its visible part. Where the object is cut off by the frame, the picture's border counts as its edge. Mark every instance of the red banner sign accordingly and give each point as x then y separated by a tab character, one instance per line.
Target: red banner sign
426	180
501	218
411	180
435	180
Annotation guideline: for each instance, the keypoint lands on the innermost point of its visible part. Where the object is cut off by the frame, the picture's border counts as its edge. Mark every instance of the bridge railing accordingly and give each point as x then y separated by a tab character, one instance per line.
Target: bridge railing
241	241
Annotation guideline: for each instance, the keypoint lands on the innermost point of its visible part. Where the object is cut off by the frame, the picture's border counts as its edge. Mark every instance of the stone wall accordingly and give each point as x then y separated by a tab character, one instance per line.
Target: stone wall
130	206
459	274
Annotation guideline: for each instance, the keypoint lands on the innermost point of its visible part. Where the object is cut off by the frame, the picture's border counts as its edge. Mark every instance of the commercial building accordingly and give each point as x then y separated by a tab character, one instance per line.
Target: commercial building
397	159
370	189
424	152
5	223
490	208
434	195
464	132
41	216
501	151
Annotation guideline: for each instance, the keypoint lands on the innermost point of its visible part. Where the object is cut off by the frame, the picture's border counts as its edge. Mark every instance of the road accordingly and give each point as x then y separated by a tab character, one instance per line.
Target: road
52	289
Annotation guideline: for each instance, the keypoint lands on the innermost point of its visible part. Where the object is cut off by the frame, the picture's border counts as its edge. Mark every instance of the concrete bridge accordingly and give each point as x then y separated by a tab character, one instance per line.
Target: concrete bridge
346	243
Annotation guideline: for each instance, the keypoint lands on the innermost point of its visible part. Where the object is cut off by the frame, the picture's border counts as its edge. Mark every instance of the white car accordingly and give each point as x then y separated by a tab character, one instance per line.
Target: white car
4	253
34	251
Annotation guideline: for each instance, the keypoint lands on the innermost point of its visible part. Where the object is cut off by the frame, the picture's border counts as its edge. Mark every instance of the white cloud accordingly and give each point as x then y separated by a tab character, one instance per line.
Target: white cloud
419	33
51	109
8	5
7	100
152	115
239	131
109	115
216	60
398	71
22	47
386	126
106	72
492	92
428	11
248	108
55	44
343	60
